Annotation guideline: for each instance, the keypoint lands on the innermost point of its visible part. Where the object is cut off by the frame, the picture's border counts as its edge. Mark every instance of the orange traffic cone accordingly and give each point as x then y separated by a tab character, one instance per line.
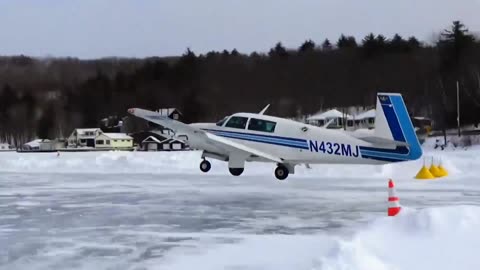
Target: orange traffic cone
393	200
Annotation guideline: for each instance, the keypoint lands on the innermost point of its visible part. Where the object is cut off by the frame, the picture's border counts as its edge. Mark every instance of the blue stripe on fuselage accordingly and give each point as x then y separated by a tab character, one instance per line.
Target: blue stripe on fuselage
260	135
275	140
382	158
254	136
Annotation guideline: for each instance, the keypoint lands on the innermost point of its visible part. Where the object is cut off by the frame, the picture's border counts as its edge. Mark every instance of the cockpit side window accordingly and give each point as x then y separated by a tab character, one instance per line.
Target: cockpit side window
262	125
221	122
237	122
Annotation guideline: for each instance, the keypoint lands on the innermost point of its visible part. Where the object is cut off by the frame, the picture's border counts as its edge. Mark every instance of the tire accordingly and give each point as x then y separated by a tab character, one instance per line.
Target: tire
281	173
236	171
205	166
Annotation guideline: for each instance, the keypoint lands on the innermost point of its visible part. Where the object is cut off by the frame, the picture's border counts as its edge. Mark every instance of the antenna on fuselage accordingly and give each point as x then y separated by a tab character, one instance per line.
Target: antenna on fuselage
264	109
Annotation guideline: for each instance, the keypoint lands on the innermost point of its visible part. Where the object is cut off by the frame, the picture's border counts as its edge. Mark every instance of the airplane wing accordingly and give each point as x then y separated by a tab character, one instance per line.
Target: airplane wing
180	127
164	121
242	147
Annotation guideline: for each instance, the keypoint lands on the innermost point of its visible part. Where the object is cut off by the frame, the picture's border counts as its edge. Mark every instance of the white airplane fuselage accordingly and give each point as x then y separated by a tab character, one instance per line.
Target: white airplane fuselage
245	137
295	142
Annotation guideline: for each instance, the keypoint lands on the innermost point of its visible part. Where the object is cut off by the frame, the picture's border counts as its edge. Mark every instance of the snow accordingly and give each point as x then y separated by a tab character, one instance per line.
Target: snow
368	114
83	131
329	115
155	210
118	136
151	139
35	143
5	147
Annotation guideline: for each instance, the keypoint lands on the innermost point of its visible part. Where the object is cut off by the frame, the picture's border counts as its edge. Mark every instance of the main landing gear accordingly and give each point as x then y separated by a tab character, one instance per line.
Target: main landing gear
281	172
205	166
236	171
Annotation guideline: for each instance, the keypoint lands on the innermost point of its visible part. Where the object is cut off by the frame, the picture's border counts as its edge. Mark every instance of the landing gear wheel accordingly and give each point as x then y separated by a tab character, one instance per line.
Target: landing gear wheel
205	166
236	171
281	172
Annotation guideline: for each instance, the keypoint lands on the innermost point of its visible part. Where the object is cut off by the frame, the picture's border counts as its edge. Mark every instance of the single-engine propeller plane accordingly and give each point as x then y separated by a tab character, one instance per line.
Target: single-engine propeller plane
246	137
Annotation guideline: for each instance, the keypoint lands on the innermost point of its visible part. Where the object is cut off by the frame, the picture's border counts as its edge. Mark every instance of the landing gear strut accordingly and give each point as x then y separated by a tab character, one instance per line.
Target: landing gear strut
205	166
281	172
236	171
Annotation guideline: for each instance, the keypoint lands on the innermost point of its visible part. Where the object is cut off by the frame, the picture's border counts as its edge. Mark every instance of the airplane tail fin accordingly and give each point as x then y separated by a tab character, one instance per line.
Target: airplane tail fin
392	123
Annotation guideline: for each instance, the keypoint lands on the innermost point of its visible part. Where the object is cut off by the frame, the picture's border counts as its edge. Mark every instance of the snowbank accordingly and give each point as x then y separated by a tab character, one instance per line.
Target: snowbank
435	238
458	162
465	142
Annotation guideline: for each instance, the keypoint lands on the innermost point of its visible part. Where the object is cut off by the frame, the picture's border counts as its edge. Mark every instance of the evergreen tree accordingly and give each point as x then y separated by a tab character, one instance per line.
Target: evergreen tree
370	45
327	45
346	42
398	44
235	53
278	50
381	42
307	46
413	43
455	40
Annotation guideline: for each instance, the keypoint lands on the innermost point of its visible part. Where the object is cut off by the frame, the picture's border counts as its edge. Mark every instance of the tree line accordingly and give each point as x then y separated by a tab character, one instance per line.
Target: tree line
48	98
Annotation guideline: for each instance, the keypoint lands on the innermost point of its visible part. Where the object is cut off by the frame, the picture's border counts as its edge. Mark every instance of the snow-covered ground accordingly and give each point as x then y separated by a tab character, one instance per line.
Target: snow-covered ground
133	210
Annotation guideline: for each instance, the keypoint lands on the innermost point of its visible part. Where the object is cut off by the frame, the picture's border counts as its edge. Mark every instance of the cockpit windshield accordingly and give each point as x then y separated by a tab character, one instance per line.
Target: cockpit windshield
221	122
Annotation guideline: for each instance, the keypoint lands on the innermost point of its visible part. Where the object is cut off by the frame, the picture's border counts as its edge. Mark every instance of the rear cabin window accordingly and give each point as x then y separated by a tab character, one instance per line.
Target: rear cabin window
237	122
261	125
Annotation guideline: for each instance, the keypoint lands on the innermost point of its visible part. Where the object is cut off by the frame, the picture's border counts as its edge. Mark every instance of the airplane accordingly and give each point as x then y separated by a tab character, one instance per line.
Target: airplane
256	137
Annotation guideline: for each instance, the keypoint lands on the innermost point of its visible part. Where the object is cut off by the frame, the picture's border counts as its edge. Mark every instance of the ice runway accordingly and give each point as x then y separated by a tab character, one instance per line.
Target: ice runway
157	211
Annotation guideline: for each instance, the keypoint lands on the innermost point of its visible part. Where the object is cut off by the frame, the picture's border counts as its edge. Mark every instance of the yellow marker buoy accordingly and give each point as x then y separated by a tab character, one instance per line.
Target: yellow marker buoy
435	171
442	170
424	173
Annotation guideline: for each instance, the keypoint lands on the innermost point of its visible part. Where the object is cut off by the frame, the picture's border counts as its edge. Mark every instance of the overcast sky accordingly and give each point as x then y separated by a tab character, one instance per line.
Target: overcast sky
139	28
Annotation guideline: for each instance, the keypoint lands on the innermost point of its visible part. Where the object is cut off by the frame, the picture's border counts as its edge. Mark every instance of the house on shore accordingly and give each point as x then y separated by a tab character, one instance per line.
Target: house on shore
5	147
336	118
151	143
172	113
365	119
42	145
96	138
84	137
158	141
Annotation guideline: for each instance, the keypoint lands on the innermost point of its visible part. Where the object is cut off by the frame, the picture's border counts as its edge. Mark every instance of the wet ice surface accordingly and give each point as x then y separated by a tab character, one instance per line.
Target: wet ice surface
68	219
